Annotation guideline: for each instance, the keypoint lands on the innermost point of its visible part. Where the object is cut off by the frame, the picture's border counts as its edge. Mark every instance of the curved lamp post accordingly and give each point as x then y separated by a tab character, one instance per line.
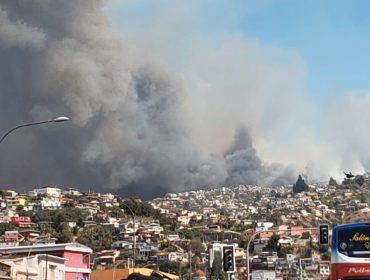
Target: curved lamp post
56	120
133	213
114	268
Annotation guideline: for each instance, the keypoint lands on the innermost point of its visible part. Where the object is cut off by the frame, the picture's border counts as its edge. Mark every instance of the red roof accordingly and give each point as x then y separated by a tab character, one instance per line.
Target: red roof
199	273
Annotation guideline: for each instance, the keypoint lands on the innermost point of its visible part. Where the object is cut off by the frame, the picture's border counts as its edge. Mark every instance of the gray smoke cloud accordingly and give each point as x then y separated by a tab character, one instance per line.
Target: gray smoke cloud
244	165
132	131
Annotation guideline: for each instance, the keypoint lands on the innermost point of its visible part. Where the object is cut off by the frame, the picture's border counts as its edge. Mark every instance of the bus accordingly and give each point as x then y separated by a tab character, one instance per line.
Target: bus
350	252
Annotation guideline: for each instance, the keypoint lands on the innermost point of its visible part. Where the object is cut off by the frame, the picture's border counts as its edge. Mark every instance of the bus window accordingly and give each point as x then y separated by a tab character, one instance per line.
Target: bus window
354	242
350	252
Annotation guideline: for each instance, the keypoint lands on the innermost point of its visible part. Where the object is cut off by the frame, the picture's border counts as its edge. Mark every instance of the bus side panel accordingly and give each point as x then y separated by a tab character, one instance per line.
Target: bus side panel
350	270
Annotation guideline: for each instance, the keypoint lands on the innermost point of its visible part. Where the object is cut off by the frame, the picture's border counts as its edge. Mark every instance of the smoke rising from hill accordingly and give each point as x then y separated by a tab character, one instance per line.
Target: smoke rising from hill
136	125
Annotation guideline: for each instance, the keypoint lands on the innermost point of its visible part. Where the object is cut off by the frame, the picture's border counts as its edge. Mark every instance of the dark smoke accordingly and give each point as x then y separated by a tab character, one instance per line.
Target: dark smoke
128	132
244	166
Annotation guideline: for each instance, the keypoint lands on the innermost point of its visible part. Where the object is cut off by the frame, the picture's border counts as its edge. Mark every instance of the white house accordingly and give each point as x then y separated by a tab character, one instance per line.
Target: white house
71	191
50	203
36	266
48	191
324	267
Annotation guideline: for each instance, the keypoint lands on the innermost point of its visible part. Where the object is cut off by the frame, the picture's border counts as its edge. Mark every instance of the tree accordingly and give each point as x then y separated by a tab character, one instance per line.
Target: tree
272	244
363	197
300	185
6	227
274	217
2	194
332	182
20	207
360	180
63	234
196	247
166	221
116	212
286	250
170	267
138	207
325	257
216	270
190	233
97	238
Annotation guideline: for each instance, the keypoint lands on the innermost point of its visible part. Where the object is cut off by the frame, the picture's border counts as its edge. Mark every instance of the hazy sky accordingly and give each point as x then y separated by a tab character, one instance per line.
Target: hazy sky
179	95
331	36
321	47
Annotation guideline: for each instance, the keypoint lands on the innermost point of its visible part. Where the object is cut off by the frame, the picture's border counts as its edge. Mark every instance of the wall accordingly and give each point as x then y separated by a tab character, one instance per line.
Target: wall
55	268
75	261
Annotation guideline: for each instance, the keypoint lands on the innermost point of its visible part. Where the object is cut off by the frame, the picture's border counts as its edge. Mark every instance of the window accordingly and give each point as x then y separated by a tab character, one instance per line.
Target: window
354	242
85	259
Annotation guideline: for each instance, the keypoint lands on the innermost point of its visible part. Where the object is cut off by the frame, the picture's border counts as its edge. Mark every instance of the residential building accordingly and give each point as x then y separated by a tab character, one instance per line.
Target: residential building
71	191
48	191
50	203
77	265
40	266
324	269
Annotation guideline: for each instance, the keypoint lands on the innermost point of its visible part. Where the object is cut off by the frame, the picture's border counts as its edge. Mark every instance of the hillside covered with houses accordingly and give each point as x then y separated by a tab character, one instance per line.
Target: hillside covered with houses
173	233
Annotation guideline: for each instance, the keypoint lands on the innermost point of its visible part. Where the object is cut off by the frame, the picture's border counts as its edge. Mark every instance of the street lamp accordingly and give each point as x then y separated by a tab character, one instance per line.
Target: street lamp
114	268
133	217
151	264
29	252
56	120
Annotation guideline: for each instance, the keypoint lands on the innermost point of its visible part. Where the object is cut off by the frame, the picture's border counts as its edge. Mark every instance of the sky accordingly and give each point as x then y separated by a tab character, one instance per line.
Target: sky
178	95
318	47
331	36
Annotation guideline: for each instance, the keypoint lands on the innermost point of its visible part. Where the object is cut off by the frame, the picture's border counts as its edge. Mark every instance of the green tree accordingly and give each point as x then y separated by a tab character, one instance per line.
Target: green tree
300	185
216	270
323	249
332	182
286	250
138	207
6	227
116	212
2	194
196	247
360	180
170	267
190	233
272	244
59	219
97	238
20	207
63	233
166	221
325	256
364	197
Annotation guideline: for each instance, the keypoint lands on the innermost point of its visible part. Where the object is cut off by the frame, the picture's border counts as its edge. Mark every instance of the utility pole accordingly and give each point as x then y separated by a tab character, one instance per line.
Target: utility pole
47	268
190	259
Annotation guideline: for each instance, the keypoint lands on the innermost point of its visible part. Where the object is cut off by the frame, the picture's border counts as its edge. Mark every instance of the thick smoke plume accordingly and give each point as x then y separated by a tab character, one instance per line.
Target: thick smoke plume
131	129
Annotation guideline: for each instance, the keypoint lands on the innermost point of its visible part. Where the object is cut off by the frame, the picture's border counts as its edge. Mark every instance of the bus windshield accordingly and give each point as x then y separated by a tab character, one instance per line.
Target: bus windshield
354	242
350	252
